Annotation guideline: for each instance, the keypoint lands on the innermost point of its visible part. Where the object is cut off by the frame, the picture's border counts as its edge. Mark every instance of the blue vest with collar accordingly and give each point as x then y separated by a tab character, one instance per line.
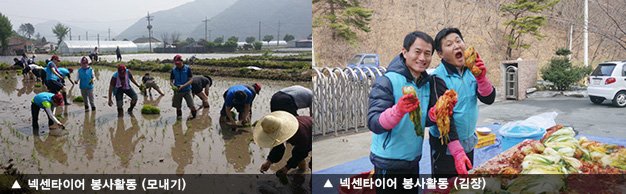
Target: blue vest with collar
466	109
401	142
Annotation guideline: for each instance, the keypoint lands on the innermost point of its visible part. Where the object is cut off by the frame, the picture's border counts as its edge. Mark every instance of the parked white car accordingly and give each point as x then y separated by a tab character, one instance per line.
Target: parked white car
608	82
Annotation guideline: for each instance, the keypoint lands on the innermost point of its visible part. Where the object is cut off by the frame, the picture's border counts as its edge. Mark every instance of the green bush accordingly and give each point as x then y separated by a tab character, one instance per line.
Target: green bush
41	63
149	109
243	70
257	45
167	68
19	71
561	72
38	85
4	65
78	99
230	46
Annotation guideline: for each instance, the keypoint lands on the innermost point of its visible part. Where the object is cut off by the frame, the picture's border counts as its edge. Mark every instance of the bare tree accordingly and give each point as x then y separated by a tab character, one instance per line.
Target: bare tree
175	37
165	37
606	19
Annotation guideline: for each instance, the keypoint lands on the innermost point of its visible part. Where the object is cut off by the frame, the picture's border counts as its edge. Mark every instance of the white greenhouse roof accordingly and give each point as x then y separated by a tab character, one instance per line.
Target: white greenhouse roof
71	47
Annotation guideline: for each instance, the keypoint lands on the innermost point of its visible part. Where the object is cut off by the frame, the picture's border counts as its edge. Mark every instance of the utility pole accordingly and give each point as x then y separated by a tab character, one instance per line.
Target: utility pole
149	18
278	37
86	35
109	33
586	33
98	40
78	37
70	33
205	27
260	31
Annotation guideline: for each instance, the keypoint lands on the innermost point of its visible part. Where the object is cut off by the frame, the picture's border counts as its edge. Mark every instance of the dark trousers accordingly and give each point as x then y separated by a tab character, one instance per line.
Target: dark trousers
34	109
442	164
399	176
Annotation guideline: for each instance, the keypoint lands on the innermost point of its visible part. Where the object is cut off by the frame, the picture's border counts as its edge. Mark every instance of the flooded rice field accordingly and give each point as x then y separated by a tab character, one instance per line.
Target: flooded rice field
100	142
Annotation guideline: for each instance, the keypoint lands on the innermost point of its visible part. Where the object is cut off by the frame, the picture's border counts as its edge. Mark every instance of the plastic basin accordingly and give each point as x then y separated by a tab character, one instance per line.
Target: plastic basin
513	135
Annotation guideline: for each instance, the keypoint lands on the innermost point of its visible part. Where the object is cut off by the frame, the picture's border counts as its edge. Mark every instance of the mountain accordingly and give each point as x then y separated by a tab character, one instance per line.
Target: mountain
45	30
242	20
182	19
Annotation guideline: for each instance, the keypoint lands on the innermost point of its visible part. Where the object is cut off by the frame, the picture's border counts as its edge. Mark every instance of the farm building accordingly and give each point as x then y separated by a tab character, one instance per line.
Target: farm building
86	47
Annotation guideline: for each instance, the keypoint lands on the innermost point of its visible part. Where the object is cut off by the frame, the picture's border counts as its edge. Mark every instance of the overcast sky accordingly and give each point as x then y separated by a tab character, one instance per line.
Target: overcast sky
89	14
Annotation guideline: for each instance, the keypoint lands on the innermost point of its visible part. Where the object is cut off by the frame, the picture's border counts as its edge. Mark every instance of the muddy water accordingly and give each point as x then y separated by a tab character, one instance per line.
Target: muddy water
101	142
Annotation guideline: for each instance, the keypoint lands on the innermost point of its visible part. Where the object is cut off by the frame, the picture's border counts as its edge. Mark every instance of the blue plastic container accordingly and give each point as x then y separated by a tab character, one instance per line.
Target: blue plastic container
512	135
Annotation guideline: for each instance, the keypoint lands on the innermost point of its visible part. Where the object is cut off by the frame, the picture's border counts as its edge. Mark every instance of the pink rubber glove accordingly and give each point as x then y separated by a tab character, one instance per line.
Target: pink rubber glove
431	113
392	116
484	86
460	159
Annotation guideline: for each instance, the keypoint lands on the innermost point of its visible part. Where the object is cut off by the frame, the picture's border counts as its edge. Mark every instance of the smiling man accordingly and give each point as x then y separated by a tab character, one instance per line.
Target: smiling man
396	146
456	157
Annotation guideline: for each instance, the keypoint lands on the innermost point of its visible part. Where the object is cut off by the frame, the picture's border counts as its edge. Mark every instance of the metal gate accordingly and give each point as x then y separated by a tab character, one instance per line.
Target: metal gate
341	98
511	83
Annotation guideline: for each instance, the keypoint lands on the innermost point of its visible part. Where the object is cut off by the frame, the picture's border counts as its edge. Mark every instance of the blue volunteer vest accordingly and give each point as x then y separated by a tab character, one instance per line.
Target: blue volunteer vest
43	97
402	143
85	76
49	74
466	109
180	77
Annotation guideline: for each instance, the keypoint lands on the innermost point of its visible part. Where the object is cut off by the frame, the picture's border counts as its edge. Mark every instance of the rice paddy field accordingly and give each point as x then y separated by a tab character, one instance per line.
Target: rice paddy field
100	142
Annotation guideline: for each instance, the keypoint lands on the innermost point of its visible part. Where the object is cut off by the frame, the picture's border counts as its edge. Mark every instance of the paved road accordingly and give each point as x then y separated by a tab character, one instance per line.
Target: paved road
584	116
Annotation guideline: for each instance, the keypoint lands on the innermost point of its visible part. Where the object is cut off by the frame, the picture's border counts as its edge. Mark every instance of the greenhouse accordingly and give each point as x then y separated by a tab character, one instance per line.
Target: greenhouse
86	47
145	47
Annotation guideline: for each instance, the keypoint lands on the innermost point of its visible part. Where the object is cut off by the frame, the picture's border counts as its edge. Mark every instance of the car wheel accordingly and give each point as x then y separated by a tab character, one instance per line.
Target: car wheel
620	99
596	100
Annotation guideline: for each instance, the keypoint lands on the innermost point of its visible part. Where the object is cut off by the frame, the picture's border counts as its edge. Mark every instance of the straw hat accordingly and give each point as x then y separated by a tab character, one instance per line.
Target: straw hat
275	128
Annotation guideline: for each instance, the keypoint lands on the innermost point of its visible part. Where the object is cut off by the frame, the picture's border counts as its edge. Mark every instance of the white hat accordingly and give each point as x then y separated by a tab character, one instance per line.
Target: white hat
274	129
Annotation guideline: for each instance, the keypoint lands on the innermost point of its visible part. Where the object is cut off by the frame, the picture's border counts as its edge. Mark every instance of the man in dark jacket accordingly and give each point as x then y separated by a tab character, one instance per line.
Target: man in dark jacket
397	142
456	157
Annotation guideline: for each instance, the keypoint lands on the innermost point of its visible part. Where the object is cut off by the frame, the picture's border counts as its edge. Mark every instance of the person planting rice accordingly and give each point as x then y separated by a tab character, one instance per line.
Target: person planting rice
240	97
120	85
278	127
149	84
54	78
38	72
86	77
198	84
291	99
46	101
180	80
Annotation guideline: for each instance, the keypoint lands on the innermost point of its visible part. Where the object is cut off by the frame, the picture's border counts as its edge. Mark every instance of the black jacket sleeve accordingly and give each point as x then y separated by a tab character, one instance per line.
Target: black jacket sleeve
276	153
489	99
297	155
437	88
380	99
